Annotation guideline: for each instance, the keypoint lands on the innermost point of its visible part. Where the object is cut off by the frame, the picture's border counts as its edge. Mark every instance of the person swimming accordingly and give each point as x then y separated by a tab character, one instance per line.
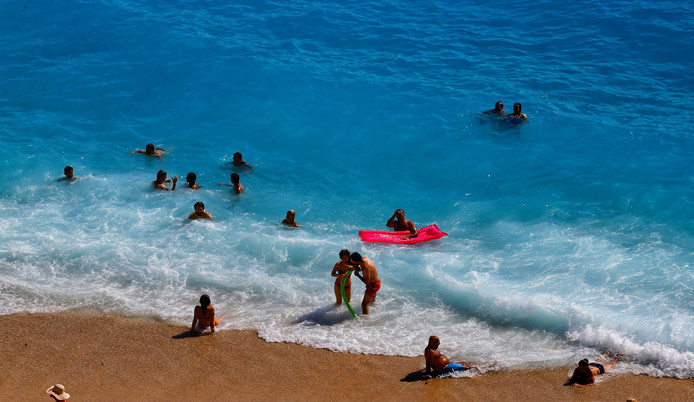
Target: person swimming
498	109
289	220
150	151
517	117
238	161
191	180
161	179
235	183
339	272
69	174
203	317
200	212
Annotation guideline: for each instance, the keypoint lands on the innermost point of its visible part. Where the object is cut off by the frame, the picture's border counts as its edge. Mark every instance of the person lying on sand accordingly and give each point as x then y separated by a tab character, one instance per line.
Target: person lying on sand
150	151
438	363
586	372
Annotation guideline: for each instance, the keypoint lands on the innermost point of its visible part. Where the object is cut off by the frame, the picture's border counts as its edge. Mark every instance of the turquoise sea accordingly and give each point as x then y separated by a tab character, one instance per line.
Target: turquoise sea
568	235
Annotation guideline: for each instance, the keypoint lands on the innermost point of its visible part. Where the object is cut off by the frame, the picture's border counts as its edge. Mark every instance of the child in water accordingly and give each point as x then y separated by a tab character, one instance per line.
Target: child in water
203	316
339	271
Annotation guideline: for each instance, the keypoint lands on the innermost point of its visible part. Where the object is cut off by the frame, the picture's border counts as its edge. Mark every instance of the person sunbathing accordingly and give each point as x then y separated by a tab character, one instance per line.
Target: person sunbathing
586	372
203	317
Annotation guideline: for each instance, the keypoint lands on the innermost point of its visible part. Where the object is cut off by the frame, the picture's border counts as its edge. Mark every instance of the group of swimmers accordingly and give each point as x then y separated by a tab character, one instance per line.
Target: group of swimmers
191	180
204	319
517	117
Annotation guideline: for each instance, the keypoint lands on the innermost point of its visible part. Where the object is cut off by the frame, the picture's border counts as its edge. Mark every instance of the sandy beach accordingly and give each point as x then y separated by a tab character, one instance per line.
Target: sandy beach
114	358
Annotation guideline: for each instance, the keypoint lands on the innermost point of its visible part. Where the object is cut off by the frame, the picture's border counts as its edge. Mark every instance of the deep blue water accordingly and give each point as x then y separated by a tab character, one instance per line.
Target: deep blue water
570	234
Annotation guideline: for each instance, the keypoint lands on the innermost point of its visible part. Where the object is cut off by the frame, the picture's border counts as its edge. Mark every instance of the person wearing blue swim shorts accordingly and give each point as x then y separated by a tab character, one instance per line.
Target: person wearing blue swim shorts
438	363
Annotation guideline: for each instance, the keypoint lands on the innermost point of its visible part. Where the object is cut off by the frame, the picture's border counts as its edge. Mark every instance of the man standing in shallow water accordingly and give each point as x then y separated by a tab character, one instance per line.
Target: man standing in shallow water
369	277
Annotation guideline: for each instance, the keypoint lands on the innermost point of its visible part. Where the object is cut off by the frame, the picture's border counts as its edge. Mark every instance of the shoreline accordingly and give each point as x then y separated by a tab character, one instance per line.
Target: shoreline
113	358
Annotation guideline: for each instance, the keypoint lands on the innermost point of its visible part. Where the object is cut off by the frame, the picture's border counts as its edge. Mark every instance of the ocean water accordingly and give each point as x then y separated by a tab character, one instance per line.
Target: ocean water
568	235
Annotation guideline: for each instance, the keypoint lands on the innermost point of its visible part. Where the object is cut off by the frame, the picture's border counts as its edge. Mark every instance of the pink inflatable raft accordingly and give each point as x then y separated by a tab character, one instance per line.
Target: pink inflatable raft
431	232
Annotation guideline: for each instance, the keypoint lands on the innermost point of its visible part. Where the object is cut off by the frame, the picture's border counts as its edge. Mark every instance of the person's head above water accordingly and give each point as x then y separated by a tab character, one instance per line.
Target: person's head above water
235	178
161	175
199	206
499	106
516	108
68	172
191	177
149	149
356	257
238	157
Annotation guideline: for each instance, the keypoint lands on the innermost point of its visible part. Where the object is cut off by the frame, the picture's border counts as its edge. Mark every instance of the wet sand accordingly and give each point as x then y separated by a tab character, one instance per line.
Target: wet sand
114	358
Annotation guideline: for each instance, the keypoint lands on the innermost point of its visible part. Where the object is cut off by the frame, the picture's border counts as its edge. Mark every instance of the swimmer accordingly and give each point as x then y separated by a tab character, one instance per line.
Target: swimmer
399	223
369	277
517	116
238	161
161	179
498	109
235	183
150	151
200	212
339	271
438	363
203	316
289	220
191	178
68	174
586	372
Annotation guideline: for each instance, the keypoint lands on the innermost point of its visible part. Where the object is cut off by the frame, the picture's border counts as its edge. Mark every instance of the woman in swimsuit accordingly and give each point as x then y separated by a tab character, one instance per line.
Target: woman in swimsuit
339	271
203	316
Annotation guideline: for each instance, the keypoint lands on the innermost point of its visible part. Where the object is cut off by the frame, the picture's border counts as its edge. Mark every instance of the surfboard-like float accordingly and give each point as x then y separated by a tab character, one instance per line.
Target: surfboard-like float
431	232
344	296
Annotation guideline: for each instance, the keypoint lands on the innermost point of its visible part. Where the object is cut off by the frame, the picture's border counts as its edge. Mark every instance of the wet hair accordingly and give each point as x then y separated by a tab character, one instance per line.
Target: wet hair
161	173
292	213
583	362
67	169
516	104
238	154
356	257
200	203
204	302
400	210
235	178
500	103
344	252
149	148
191	177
